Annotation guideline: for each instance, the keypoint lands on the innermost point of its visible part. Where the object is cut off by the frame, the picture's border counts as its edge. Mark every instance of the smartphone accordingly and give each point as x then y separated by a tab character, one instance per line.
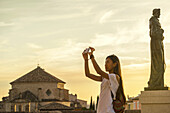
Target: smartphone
87	50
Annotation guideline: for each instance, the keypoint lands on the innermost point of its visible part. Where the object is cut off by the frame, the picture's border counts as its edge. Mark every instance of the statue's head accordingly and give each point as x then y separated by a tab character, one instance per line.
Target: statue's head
156	12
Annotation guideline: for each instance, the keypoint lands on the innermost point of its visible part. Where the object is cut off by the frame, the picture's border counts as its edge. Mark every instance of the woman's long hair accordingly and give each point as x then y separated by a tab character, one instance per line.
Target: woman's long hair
117	70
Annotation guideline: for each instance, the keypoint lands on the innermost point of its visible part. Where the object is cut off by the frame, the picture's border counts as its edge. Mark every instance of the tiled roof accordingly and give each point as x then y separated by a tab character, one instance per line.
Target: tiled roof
37	75
55	106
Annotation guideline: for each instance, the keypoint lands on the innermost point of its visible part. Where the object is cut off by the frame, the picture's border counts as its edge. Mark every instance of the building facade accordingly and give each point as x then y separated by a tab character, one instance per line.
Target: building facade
133	103
38	90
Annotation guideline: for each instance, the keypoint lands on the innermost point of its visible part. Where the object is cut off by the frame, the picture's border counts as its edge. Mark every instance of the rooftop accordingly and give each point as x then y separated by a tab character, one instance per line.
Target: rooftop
37	75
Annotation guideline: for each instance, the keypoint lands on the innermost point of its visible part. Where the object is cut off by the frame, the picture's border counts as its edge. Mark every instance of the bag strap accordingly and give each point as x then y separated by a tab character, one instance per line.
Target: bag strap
112	94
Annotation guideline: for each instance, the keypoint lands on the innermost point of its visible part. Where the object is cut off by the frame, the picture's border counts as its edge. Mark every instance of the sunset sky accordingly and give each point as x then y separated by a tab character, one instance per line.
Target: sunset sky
54	34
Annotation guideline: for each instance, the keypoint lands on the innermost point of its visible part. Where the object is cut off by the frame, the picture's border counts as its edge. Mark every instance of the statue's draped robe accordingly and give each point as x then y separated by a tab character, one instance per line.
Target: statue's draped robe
157	54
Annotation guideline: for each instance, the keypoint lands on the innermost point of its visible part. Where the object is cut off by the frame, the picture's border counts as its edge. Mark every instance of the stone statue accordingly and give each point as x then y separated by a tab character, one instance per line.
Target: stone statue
156	80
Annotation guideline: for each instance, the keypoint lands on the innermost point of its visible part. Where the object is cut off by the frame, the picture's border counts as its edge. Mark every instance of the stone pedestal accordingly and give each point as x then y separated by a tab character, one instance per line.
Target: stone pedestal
155	88
157	101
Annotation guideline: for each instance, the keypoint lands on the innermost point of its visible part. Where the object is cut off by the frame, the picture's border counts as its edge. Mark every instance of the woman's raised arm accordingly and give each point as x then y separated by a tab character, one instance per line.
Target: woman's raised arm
96	66
98	69
87	72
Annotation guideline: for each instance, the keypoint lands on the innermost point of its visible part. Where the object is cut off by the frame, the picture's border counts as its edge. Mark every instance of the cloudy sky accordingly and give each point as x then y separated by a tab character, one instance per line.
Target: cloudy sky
54	34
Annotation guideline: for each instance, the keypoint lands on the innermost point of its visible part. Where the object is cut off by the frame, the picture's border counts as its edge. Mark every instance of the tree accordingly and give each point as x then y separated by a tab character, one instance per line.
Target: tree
91	106
97	101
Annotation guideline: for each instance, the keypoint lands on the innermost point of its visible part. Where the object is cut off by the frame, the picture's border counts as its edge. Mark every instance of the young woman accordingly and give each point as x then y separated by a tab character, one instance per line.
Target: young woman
111	81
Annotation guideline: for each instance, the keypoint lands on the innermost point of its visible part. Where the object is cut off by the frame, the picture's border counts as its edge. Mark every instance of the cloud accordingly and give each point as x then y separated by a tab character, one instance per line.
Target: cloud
56	33
65	55
105	17
5	46
3	24
103	39
33	46
54	17
4	42
132	66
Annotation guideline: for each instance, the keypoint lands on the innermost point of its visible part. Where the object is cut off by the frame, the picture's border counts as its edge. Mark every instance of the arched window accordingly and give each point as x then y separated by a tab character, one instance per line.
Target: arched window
20	108
12	108
27	108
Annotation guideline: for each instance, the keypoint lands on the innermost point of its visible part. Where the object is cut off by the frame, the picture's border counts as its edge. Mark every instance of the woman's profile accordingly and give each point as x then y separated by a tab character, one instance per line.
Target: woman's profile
111	81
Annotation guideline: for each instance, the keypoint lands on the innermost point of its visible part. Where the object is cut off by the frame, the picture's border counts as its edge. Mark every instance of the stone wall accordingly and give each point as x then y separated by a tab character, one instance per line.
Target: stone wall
132	111
33	87
39	90
84	111
67	111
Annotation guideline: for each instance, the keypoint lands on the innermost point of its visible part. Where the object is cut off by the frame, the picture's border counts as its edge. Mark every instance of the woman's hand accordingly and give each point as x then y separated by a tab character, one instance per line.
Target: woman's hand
85	55
92	49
